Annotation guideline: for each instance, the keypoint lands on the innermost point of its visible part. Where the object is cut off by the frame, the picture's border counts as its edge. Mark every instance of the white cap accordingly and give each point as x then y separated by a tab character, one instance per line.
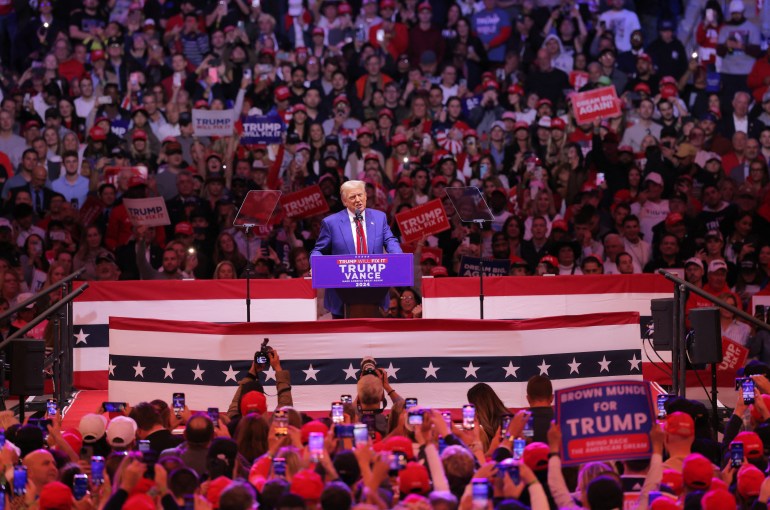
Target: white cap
23	297
654	177
121	431
736	6
694	260
295	7
716	265
92	427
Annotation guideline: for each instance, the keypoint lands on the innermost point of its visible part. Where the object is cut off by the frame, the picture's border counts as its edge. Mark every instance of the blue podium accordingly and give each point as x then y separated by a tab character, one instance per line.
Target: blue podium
362	281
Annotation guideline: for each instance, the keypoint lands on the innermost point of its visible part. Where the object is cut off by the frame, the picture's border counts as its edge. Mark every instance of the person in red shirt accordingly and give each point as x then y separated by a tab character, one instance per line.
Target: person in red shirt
716	283
391	35
758	79
69	67
175	23
424	36
736	156
716	279
374	79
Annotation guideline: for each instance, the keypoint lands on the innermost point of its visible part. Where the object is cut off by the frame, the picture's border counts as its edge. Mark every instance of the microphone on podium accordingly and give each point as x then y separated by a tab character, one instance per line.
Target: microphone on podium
358	216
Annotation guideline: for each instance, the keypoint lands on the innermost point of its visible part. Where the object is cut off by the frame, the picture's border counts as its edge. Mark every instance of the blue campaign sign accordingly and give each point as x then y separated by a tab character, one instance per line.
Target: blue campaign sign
119	127
470	266
262	129
713	81
605	421
470	103
355	271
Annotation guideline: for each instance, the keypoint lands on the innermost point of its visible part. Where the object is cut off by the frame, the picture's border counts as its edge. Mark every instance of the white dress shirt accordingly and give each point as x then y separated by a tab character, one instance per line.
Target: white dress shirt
352	218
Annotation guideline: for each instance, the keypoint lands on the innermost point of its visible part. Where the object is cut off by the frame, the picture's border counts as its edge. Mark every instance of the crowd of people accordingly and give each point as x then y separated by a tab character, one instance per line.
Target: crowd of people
377	450
96	102
96	105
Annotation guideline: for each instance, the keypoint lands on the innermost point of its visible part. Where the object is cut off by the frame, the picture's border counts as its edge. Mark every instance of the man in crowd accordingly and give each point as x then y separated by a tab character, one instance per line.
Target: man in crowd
358	227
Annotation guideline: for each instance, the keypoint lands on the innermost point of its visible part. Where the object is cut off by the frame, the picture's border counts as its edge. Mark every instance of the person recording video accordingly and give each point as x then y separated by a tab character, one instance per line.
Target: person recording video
372	386
250	388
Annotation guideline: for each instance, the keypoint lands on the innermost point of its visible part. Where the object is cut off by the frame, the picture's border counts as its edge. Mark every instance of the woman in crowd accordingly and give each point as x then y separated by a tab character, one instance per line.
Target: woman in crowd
421	180
225	270
513	230
731	329
411	304
742	239
91	248
227	250
70	119
543	206
34	262
489	411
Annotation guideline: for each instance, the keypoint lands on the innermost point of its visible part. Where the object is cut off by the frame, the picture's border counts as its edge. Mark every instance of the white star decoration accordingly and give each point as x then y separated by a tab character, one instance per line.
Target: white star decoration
310	373
510	370
470	370
391	371
81	337
430	370
198	373
168	372
350	372
230	374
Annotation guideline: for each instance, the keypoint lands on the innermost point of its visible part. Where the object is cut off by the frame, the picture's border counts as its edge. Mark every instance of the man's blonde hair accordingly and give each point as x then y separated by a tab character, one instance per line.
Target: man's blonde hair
350	186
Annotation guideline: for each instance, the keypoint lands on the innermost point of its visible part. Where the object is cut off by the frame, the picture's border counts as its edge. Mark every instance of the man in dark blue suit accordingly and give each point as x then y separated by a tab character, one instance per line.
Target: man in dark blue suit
355	229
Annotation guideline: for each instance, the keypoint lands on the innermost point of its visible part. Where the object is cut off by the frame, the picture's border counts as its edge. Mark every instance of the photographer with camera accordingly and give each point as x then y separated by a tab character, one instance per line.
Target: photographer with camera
264	357
372	387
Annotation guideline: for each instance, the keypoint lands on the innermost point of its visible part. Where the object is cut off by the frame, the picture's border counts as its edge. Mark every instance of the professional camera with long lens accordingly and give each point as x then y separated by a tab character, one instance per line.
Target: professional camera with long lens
368	366
261	358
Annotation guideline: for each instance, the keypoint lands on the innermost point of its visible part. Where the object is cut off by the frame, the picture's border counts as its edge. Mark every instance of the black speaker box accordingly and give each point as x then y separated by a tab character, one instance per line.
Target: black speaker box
663	323
27	367
706	344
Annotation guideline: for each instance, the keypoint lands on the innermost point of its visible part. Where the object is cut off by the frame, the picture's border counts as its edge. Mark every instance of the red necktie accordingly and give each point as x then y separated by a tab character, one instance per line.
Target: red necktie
361	238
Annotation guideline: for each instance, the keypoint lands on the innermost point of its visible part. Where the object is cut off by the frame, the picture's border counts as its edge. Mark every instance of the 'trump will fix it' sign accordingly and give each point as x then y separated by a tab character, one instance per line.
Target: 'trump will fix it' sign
150	211
428	218
212	122
304	203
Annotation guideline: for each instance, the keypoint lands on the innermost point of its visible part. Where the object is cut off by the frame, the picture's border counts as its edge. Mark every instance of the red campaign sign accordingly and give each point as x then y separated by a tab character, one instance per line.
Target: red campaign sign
423	220
262	231
304	203
595	104
90	211
631	445
578	79
733	357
